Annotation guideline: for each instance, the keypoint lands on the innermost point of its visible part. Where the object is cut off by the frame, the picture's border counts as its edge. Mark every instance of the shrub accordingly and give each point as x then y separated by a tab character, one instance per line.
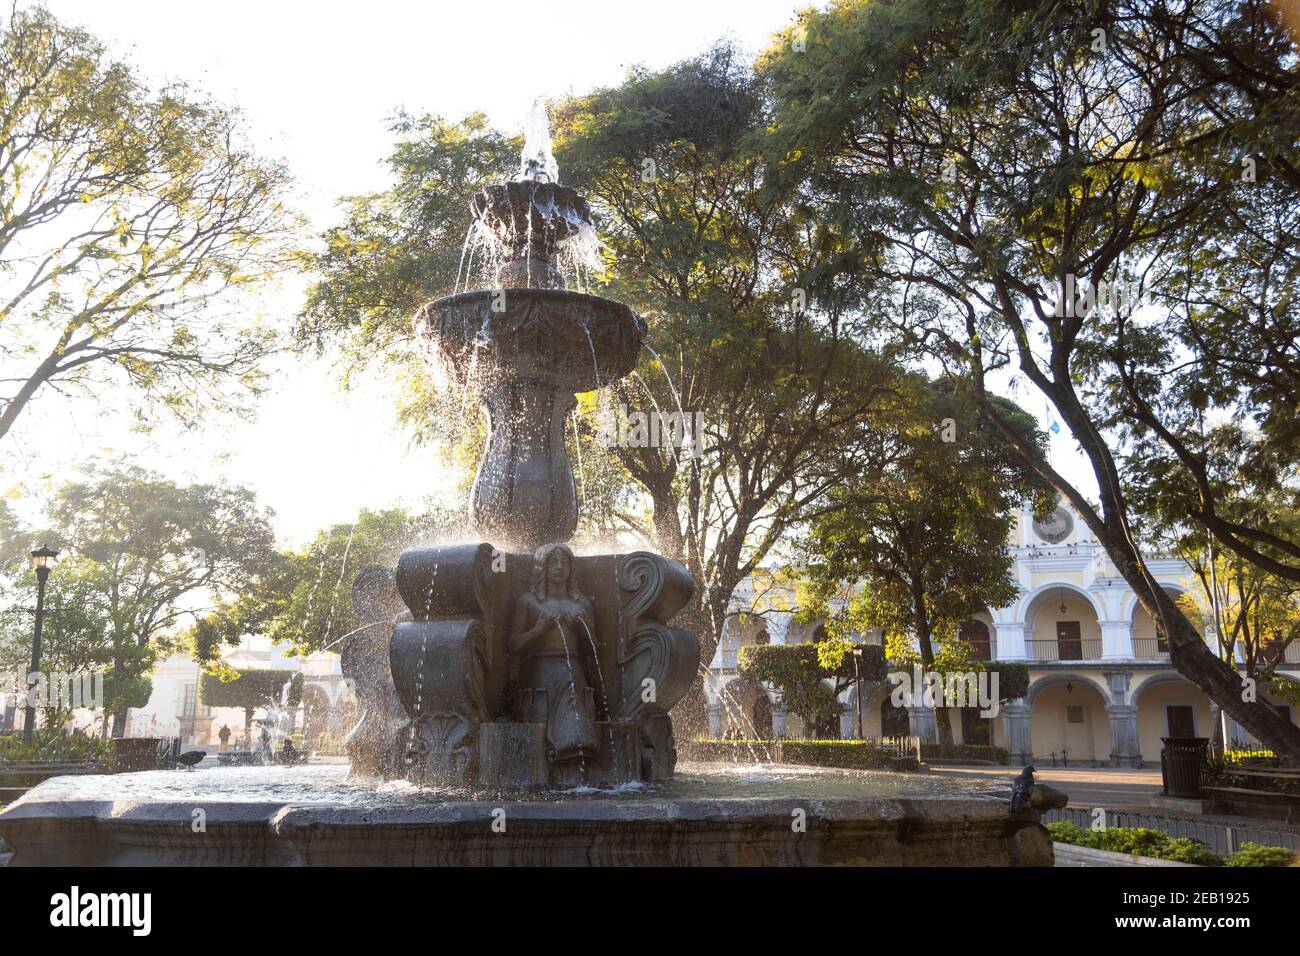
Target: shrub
1252	854
52	744
1137	841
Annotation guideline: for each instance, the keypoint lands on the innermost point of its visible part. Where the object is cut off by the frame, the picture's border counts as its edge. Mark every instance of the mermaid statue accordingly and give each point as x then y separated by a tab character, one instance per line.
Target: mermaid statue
552	648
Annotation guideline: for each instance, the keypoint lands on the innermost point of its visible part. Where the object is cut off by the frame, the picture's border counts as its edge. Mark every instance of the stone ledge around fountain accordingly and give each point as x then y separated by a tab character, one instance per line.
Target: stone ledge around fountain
923	831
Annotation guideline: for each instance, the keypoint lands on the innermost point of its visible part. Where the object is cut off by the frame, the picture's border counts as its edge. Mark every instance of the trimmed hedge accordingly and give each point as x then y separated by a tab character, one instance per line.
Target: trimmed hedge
937	751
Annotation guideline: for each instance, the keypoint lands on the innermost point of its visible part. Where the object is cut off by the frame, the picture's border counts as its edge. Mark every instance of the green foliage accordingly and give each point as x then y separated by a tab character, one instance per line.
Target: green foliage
52	744
251	689
980	158
936	751
138	549
1013	679
1252	854
1138	841
919	533
798	672
1141	841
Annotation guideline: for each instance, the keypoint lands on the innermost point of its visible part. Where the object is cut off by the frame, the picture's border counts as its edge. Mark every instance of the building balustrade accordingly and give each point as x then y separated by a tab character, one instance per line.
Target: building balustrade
1150	649
1051	649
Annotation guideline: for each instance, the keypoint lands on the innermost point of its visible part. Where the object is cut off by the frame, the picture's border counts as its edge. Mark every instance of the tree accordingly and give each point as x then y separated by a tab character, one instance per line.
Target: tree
1014	172
306	601
801	674
399	248
251	689
751	316
149	548
128	220
920	533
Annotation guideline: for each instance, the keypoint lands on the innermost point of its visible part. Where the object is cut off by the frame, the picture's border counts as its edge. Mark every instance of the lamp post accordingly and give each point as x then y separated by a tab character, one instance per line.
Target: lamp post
42	561
857	680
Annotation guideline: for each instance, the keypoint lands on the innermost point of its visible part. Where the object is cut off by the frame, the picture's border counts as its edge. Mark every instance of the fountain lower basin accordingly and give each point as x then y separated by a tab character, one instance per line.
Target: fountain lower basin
705	816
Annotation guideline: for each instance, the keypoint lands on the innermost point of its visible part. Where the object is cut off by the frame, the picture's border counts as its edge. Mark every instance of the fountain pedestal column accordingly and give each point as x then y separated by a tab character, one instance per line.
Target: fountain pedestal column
524	493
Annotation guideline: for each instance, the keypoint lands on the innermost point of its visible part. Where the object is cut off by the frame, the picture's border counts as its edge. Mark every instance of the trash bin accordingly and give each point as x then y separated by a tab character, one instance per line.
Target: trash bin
1181	762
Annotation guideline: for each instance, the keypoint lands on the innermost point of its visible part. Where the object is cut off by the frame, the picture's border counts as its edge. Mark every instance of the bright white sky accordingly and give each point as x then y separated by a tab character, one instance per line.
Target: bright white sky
317	82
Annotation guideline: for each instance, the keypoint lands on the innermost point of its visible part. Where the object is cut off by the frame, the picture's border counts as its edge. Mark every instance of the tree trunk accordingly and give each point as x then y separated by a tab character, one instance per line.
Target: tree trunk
942	724
119	720
1221	683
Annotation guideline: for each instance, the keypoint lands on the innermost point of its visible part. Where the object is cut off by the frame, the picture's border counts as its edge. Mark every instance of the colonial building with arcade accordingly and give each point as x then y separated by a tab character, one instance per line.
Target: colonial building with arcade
1102	691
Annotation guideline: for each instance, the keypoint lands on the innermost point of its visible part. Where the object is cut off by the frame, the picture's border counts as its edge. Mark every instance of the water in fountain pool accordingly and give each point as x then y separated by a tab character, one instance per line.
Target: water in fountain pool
329	784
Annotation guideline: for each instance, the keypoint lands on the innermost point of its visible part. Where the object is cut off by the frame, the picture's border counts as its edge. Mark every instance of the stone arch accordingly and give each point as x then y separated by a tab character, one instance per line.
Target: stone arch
979	635
1130	605
1157	700
1032	601
1143	634
1075	635
740	701
1065	677
1069	718
1135	696
739	629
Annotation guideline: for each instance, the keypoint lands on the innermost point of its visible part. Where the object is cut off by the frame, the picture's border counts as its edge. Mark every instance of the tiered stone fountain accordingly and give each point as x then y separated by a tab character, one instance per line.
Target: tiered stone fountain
517	662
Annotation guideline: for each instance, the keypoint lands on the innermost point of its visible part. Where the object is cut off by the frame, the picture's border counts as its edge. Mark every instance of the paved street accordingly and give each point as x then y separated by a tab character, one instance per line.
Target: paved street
1086	786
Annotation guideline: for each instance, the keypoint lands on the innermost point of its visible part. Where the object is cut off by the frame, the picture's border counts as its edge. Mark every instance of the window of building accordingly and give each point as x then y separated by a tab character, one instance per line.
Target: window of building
1074	714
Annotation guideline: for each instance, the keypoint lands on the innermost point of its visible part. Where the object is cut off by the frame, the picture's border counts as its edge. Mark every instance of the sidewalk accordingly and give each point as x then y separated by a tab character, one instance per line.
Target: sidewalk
1110	787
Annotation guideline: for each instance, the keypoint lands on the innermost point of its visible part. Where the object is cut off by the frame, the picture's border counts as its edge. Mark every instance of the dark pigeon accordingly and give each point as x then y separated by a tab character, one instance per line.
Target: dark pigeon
1020	789
190	758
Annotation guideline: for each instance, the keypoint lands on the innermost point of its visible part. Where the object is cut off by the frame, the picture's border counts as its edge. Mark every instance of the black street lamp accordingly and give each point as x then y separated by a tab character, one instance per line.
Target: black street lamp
857	680
42	561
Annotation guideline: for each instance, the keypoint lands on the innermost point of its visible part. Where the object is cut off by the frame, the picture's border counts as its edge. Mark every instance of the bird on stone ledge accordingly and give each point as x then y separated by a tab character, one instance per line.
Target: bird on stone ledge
190	758
1020	789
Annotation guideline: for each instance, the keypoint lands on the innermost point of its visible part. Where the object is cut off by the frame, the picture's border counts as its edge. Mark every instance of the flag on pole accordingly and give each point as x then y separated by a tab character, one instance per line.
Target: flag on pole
1053	425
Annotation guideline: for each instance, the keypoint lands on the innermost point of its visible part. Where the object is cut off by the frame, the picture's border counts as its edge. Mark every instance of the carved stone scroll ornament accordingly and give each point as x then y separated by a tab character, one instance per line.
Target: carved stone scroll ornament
439	660
657	662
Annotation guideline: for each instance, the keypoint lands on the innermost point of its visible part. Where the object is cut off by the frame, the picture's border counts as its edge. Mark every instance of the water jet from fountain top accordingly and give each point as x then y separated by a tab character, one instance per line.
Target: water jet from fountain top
537	159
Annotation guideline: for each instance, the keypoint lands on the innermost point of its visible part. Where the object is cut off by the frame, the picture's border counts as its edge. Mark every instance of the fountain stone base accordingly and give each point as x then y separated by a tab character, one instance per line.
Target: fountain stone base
925	831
